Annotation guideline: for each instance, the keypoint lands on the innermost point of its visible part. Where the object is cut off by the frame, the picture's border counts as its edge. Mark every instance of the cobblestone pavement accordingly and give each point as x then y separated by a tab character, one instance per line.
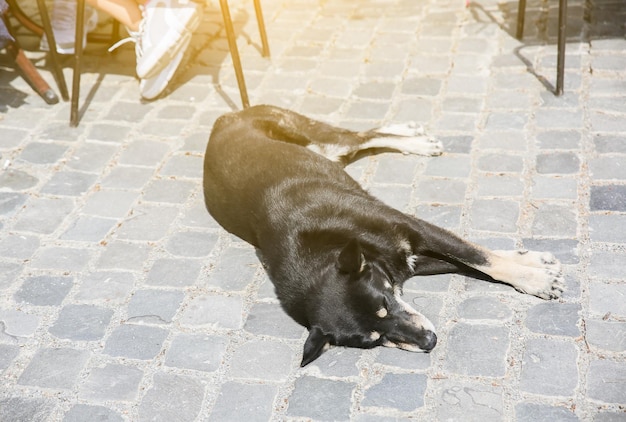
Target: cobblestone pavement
120	299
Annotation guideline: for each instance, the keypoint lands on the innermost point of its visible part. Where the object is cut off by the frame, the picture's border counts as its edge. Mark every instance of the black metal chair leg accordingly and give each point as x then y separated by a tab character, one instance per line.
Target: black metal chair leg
78	58
234	53
521	15
560	65
54	57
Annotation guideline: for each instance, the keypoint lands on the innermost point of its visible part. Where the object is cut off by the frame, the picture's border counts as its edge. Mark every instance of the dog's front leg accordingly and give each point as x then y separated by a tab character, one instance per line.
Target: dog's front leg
535	273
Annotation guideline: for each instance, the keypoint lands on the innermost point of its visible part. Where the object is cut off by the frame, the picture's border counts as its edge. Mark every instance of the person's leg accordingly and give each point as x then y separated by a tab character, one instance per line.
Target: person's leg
127	12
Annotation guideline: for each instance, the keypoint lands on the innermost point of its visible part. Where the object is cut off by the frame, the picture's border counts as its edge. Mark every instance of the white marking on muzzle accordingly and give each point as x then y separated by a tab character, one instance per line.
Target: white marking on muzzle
416	318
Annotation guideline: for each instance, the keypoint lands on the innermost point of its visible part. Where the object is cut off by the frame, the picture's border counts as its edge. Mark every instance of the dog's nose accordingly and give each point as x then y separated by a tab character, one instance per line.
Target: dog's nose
430	341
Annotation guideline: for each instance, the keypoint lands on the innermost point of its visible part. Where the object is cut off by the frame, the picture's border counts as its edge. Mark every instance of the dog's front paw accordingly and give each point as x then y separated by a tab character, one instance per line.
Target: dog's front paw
546	283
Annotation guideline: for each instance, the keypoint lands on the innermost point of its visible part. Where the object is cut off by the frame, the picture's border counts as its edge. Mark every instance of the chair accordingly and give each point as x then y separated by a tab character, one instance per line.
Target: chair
560	61
78	52
27	69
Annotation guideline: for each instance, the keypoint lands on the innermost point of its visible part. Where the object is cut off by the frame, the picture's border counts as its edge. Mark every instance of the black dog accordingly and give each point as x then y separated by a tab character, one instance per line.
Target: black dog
338	257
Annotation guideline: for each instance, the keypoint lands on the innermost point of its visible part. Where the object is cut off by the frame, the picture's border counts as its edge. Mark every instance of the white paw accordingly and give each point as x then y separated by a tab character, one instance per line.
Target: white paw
422	146
546	284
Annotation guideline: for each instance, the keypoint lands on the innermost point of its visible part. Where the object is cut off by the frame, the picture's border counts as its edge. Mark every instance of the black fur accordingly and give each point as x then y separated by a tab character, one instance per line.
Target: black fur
337	256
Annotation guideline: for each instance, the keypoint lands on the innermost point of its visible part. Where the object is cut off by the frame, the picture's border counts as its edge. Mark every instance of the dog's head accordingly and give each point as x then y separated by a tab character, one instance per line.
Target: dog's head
358	305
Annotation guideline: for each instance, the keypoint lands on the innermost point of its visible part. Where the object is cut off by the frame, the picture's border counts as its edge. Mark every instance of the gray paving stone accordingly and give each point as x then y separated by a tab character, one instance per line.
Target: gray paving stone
479	307
467	354
89	229
415	109
468	401
609	417
448	166
196	351
106	132
9	272
135	341
606	381
54	368
154	306
61	258
43	152
25	409
109	203
11	202
8	352
605	298
608	198
124	255
456	122
16	180
69	183
172	397
506	140
557	118
168	190
558	163
608	168
506	121
390	392
396	196
262	360
555	220
530	412
44	290
18	324
549	367
501	163
446	216
547	187
500	185
566	250
90	157
191	243
270	319
553	139
495	215
391	170
18	246
608	143
44	215
81	322
460	144
554	318
336	362
127	177
607	228
84	412
214	310
606	335
148	222
112	382
247	402
320	399
174	272
607	265
235	270
441	190
183	166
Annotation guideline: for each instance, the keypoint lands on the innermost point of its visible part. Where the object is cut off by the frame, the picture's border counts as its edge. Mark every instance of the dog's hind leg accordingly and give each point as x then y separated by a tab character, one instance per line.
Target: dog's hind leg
406	138
334	143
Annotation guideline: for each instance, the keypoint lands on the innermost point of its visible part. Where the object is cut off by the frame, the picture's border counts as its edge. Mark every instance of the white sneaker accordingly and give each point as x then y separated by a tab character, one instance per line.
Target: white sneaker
151	88
63	17
166	29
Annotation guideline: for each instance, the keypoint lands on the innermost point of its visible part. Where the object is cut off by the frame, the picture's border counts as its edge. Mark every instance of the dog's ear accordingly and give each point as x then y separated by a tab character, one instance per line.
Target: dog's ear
351	259
314	346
